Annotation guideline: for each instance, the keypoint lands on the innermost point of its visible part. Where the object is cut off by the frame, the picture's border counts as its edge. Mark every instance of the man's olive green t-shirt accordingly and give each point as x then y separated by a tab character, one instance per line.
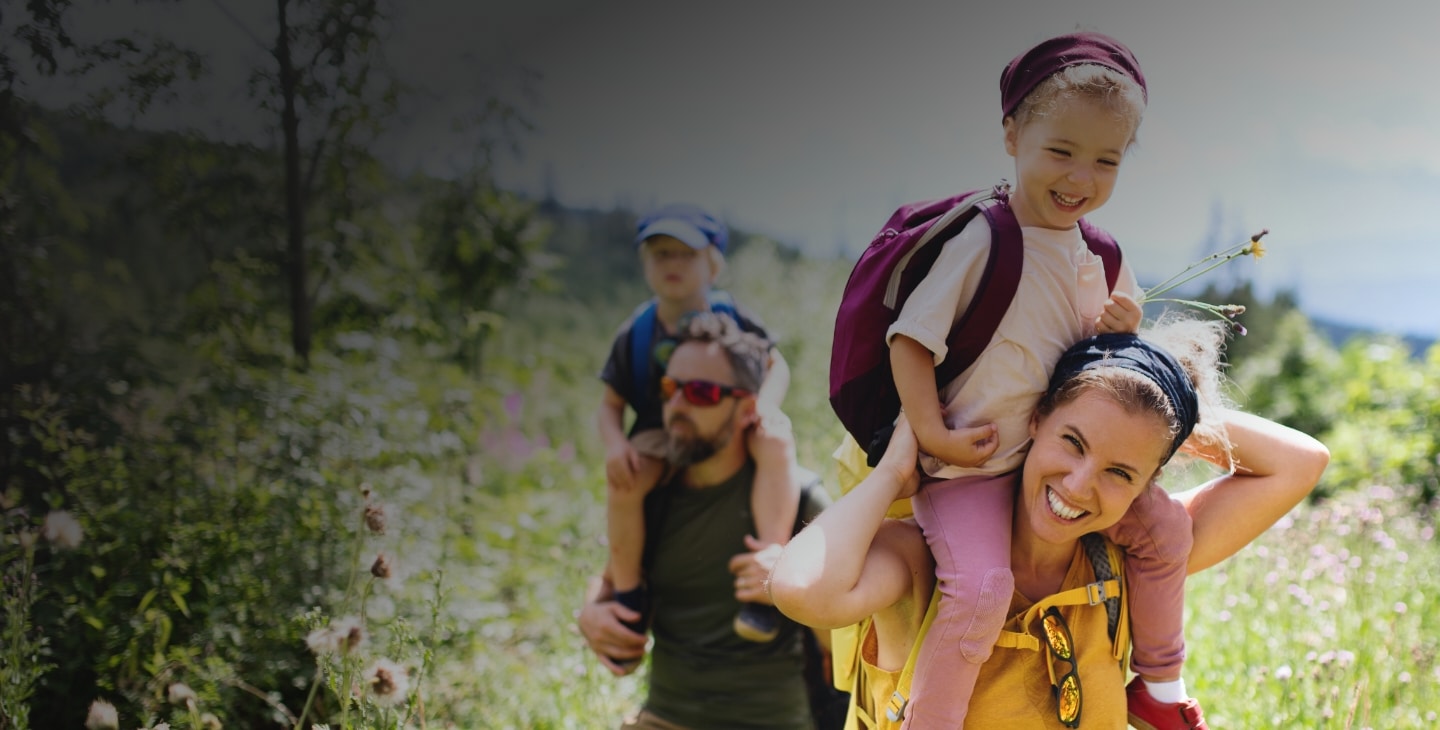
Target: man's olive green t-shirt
702	674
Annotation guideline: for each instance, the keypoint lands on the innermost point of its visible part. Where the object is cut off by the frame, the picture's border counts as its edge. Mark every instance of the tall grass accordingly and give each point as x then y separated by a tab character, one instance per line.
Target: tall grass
494	493
1324	622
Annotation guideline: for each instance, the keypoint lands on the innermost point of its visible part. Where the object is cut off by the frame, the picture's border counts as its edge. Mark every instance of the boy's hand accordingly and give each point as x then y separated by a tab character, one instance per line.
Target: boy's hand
1122	314
770	439
752	571
621	465
966	446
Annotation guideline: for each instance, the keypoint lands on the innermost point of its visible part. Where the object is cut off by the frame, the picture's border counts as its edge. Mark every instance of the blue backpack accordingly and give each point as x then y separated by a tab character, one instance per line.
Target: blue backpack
642	345
862	386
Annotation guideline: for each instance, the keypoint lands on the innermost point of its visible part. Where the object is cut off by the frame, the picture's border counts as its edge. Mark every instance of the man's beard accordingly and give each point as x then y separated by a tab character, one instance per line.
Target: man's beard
682	450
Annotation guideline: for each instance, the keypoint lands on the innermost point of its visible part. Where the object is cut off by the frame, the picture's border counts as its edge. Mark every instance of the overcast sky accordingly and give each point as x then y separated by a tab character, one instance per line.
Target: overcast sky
809	121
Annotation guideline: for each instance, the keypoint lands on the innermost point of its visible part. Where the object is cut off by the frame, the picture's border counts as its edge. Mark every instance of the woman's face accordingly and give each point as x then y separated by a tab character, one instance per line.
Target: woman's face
1090	459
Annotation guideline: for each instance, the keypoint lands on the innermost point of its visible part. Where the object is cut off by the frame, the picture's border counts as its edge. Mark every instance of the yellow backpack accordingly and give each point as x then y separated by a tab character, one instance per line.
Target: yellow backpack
1106	592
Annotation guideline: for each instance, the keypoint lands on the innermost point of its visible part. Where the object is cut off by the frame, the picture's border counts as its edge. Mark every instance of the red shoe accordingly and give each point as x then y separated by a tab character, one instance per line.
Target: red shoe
1148	713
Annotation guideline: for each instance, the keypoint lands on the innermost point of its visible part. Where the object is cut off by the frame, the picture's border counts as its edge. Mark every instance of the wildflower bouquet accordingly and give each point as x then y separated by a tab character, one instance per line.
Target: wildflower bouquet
1227	312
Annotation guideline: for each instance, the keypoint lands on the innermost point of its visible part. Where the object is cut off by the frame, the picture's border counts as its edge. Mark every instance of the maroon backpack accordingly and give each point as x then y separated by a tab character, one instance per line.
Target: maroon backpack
862	386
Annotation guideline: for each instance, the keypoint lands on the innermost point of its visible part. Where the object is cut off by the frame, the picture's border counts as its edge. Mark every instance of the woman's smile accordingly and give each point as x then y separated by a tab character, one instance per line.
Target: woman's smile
1062	509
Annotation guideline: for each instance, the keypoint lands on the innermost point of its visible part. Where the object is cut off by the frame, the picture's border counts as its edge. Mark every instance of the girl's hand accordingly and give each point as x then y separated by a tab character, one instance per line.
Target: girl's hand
966	446
1121	314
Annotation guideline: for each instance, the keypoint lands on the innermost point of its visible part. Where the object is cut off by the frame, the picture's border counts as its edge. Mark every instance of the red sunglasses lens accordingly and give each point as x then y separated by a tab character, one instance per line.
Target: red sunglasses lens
696	392
702	393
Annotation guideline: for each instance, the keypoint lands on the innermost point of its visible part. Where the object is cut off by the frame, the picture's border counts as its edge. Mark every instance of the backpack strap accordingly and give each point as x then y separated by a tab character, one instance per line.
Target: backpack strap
1103	244
900	698
642	353
1098	550
642	340
998	282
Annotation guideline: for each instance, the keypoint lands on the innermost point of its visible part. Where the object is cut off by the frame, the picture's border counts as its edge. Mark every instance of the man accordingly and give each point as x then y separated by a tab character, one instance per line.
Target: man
704	560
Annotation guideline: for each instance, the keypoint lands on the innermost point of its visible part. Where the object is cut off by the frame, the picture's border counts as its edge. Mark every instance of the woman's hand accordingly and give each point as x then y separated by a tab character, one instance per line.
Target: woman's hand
834	572
901	457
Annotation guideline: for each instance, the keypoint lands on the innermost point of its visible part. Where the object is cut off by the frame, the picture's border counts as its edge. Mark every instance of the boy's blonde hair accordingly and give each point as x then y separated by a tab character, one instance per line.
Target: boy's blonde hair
717	262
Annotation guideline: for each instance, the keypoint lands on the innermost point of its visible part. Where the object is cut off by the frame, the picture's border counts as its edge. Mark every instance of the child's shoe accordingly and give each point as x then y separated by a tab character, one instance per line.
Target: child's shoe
757	622
1148	713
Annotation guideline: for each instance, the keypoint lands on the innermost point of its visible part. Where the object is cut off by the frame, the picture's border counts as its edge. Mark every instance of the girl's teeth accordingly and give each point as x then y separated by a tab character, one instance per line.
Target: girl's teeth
1060	508
1066	200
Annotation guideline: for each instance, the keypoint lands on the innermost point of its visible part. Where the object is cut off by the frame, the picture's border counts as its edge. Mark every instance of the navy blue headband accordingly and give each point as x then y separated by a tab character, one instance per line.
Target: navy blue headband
1128	351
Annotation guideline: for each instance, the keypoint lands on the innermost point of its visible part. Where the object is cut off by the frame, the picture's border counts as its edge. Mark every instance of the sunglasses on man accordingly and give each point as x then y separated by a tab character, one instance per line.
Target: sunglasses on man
699	392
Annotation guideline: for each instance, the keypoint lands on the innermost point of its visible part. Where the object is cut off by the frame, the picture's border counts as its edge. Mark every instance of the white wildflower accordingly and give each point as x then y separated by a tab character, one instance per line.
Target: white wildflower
323	641
389	682
180	693
62	530
102	715
350	633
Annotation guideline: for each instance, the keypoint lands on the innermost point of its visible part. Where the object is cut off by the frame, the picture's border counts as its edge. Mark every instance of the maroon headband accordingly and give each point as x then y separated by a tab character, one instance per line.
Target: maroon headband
1073	49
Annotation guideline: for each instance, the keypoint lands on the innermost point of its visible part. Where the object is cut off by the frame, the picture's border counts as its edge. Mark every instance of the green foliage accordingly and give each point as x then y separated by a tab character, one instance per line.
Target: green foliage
1388	428
483	242
21	658
1293	380
1371	403
221	491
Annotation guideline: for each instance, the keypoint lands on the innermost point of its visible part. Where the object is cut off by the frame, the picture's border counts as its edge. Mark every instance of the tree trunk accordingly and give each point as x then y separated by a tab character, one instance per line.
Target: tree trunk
294	195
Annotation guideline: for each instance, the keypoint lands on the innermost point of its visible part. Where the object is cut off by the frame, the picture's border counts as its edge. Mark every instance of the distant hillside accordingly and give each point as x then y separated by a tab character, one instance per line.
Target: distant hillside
1339	334
598	263
596	249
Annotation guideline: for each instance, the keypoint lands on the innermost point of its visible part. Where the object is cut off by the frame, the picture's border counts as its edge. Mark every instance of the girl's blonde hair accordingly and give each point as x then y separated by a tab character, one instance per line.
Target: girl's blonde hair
1111	89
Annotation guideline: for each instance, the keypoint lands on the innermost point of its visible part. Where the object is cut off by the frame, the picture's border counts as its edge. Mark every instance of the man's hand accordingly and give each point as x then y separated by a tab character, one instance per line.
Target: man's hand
618	648
752	571
1122	314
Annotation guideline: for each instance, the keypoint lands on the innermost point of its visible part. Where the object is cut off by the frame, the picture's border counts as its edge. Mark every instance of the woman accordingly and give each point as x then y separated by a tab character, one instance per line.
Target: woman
1116	409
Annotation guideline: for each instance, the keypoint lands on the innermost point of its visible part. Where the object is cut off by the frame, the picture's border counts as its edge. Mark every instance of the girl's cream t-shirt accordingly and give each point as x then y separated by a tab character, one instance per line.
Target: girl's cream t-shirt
1061	292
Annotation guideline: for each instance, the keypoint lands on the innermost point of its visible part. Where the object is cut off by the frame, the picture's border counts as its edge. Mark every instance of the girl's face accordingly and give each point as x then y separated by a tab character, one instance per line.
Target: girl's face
1066	163
1090	459
674	271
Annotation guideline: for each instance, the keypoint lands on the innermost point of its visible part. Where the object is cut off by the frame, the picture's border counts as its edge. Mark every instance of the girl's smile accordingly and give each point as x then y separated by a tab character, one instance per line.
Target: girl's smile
1066	162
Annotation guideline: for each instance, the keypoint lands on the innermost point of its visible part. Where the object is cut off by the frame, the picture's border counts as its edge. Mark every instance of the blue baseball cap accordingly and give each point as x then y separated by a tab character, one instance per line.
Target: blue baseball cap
688	223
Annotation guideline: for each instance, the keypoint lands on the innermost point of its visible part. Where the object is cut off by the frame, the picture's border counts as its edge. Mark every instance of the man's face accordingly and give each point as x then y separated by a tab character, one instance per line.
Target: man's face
696	432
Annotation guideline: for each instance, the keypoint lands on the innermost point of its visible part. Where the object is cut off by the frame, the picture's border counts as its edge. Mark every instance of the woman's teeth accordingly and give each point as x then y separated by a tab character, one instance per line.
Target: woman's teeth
1061	510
